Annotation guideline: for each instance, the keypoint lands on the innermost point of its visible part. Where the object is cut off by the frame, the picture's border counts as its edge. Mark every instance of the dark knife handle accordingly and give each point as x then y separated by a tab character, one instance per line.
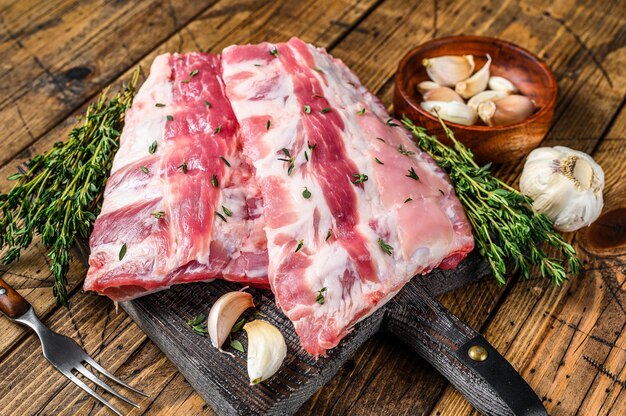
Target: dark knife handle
464	357
12	304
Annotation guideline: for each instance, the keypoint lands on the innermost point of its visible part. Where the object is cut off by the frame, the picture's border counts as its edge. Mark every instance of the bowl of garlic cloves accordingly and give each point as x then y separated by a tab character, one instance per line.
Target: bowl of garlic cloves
497	97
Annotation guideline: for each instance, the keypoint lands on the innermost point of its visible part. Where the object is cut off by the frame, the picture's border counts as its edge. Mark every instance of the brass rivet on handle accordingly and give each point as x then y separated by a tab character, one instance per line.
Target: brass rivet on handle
477	353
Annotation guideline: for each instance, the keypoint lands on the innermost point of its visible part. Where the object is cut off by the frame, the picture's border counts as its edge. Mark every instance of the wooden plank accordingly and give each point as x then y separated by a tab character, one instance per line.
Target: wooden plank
86	54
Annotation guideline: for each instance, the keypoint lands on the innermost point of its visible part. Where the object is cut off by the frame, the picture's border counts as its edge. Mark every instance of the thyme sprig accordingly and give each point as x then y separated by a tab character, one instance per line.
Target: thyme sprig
58	194
503	222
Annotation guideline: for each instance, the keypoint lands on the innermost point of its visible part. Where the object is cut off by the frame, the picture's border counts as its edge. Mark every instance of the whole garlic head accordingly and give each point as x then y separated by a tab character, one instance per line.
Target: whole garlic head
566	185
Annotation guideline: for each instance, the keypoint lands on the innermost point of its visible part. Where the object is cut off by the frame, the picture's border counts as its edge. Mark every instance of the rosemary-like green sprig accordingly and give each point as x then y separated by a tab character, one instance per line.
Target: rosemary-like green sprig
503	222
58	194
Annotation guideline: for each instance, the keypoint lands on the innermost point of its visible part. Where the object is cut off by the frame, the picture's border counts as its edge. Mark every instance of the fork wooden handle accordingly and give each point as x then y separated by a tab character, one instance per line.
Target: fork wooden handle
12	304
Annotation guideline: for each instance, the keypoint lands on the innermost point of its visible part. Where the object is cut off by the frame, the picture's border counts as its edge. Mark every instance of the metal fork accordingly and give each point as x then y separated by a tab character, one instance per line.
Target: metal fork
62	352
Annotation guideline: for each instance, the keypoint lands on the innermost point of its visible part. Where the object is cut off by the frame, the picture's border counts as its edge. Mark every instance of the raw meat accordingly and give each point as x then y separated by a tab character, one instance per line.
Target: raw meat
353	209
161	206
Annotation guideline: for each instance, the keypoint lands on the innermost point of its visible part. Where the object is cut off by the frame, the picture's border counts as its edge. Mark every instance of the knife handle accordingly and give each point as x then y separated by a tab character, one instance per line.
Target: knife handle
486	379
12	304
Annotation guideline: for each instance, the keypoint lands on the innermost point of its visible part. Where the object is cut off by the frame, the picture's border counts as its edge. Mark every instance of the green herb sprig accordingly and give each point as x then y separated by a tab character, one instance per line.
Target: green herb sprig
503	222
58	194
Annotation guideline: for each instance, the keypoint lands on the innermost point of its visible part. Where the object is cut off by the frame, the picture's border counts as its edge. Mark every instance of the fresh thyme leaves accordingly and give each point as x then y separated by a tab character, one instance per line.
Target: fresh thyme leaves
228	212
310	146
170	118
306	193
381	139
237	345
59	193
307	109
378	161
274	51
214	181
198	325
299	246
392	123
225	161
289	159
207	104
191	75
258	65
145	170
318	69
219	214
152	147
183	166
412	175
502	219
159	105
441	192
267	126
306	156
404	151
361	111
327	235
237	327
359	178
218	129
122	252
386	248
408	200
325	110
321	296
158	214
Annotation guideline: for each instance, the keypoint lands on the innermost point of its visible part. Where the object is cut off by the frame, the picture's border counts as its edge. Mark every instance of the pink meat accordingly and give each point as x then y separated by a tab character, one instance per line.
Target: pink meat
310	127
162	206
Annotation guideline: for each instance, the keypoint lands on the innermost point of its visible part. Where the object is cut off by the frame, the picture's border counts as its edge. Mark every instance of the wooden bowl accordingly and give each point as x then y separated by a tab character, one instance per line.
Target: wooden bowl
496	144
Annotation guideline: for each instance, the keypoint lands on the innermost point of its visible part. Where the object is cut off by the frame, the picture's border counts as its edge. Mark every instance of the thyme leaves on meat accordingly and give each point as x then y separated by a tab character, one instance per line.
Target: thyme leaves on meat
191	75
306	194
299	246
359	178
289	159
412	174
122	252
58	194
321	296
386	248
405	151
226	162
153	147
378	161
503	222
158	214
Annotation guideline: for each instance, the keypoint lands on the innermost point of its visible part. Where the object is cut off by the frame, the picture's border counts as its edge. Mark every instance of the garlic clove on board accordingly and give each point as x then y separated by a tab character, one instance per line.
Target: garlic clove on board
426	86
502	84
485	96
565	184
508	110
266	350
476	83
451	111
224	314
447	71
442	94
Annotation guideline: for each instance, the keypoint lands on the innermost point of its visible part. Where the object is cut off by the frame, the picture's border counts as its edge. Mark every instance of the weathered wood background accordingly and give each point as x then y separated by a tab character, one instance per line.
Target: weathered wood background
569	342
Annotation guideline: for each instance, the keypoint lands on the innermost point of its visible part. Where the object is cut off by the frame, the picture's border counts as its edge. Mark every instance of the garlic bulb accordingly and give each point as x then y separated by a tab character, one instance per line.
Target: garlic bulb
485	96
508	110
426	86
447	71
502	84
442	94
266	350
451	111
224	314
476	83
566	185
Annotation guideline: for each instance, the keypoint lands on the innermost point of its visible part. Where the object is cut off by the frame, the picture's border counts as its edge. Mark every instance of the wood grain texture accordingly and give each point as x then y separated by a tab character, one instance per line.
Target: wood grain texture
583	42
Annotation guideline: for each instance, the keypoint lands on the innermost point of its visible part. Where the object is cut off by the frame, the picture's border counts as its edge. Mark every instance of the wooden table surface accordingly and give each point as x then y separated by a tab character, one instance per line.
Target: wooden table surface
568	342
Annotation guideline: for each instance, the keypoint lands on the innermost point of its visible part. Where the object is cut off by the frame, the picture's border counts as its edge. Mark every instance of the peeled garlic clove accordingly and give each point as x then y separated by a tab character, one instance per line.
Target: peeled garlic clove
508	110
485	96
447	71
566	185
476	83
442	94
425	86
451	111
225	313
502	84
266	350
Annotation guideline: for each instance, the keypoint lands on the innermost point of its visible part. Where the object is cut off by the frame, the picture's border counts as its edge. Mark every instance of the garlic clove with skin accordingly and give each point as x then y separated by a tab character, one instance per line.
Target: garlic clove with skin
508	110
565	184
442	94
451	111
485	96
476	83
266	350
447	71
502	84
426	86
224	314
